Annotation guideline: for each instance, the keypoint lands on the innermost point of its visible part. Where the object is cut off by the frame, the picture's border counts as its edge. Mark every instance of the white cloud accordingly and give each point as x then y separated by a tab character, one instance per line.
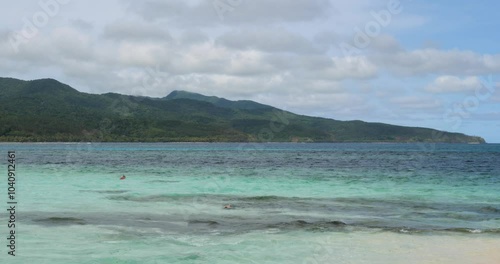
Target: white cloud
354	67
71	43
386	44
450	84
82	24
202	58
335	104
201	13
414	102
445	62
193	36
135	30
141	54
249	62
273	40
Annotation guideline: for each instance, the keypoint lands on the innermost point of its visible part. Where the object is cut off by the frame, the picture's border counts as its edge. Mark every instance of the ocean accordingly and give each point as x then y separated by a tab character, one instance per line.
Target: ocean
290	203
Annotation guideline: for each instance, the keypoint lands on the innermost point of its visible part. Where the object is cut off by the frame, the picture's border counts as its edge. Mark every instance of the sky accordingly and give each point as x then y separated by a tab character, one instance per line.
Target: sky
415	63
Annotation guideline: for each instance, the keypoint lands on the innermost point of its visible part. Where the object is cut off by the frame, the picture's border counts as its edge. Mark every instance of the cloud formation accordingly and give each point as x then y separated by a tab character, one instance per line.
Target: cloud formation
447	84
280	52
433	61
208	13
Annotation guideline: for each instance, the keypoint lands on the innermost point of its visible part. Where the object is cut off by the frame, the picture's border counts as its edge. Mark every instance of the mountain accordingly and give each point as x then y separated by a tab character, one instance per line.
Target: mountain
220	102
47	110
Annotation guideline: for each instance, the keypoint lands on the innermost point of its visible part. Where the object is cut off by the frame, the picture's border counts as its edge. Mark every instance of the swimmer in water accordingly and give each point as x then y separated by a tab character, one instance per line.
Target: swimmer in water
228	206
122	177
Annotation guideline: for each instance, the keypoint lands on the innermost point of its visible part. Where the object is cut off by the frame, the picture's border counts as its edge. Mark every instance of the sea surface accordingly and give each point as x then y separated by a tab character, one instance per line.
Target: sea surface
291	203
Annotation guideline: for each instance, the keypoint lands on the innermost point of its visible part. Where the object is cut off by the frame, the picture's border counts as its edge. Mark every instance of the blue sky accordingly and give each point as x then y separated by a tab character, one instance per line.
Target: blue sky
417	63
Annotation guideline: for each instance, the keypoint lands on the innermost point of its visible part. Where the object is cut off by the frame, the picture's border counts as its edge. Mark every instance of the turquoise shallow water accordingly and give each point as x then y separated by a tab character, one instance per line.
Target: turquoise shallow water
293	203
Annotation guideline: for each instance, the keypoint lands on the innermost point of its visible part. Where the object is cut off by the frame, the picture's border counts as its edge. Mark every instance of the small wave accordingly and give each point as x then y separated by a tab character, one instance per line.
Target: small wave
261	198
464	230
61	221
190	257
408	230
162	181
190	198
312	226
492	231
403	230
151	198
204	222
473	230
490	209
336	223
106	191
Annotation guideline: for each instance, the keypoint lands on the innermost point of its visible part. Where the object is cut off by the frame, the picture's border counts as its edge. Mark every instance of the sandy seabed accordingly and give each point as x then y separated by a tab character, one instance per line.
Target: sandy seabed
387	248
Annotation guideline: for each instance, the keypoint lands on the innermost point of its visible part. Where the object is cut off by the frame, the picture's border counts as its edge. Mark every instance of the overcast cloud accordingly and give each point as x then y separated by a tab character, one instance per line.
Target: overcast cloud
401	62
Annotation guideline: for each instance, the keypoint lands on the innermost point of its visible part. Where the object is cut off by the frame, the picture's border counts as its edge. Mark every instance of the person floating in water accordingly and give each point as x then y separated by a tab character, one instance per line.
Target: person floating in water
122	177
228	206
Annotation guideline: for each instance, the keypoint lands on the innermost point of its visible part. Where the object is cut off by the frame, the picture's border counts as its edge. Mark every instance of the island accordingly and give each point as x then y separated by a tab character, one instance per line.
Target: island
47	110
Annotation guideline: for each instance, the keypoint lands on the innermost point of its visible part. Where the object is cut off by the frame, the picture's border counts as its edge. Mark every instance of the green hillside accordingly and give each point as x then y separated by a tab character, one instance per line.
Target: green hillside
221	102
47	110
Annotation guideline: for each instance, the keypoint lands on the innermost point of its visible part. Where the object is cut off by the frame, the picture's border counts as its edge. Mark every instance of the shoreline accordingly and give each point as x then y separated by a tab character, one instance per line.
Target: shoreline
238	142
